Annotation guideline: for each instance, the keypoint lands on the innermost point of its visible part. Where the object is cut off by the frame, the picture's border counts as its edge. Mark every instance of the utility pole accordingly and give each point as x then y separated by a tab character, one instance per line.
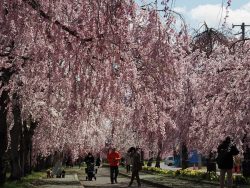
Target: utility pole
242	29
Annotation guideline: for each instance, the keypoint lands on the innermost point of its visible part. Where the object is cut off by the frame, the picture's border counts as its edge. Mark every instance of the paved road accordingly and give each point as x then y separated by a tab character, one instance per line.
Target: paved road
163	166
103	181
76	178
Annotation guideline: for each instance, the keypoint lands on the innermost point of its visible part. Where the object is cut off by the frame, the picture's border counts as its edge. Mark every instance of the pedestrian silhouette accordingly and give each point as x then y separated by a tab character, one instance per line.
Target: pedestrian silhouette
136	166
226	150
128	161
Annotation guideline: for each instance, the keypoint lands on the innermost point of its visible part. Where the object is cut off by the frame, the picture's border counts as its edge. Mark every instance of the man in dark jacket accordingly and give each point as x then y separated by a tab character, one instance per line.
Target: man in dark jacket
89	159
136	166
226	151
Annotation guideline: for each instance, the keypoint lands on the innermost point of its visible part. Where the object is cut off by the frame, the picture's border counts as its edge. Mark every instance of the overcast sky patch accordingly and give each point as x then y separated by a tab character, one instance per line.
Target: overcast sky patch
214	14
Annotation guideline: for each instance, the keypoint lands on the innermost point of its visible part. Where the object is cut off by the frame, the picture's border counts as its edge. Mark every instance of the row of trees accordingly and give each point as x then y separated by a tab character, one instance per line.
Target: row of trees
86	75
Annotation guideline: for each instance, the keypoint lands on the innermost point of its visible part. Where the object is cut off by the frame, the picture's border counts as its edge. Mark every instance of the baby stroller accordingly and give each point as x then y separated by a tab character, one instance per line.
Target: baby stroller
90	171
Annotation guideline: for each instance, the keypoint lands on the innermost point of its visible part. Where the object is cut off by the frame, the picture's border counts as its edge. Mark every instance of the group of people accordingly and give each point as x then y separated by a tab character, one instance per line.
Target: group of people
226	151
132	158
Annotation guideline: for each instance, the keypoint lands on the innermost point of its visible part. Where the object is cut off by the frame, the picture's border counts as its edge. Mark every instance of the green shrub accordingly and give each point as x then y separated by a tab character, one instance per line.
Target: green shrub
196	174
240	180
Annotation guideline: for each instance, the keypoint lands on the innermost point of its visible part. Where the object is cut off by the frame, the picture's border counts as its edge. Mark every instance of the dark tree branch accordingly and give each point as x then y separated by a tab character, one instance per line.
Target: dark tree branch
36	6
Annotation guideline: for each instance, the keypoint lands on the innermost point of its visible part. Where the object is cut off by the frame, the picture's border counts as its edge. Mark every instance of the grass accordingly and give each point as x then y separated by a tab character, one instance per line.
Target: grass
25	182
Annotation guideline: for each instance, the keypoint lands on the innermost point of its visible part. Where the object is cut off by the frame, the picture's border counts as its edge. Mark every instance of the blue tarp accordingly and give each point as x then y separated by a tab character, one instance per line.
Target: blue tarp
193	156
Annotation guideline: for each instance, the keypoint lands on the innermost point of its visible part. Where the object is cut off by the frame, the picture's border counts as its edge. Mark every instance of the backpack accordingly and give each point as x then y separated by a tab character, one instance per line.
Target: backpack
234	150
222	155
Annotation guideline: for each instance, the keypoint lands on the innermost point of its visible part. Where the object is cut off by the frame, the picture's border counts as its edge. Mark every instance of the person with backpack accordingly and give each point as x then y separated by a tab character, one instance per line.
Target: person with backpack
136	166
226	150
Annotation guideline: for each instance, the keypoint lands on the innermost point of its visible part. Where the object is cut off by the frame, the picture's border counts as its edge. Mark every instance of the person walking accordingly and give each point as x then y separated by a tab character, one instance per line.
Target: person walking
90	162
136	166
89	159
98	161
226	150
114	158
128	162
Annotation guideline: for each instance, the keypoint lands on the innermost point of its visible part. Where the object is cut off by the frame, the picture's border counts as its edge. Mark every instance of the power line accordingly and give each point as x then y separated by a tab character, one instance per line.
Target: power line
243	29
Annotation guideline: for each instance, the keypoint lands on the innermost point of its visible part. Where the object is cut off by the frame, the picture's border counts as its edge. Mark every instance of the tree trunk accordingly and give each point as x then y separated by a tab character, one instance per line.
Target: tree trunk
246	155
184	158
26	148
22	152
3	134
28	134
158	160
30	158
15	135
5	76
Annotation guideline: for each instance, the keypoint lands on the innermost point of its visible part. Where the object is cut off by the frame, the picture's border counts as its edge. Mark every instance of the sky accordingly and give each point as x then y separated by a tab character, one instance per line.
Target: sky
213	12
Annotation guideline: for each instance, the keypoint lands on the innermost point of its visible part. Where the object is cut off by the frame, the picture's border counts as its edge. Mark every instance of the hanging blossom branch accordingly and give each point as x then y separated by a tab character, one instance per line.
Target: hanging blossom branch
229	2
36	6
